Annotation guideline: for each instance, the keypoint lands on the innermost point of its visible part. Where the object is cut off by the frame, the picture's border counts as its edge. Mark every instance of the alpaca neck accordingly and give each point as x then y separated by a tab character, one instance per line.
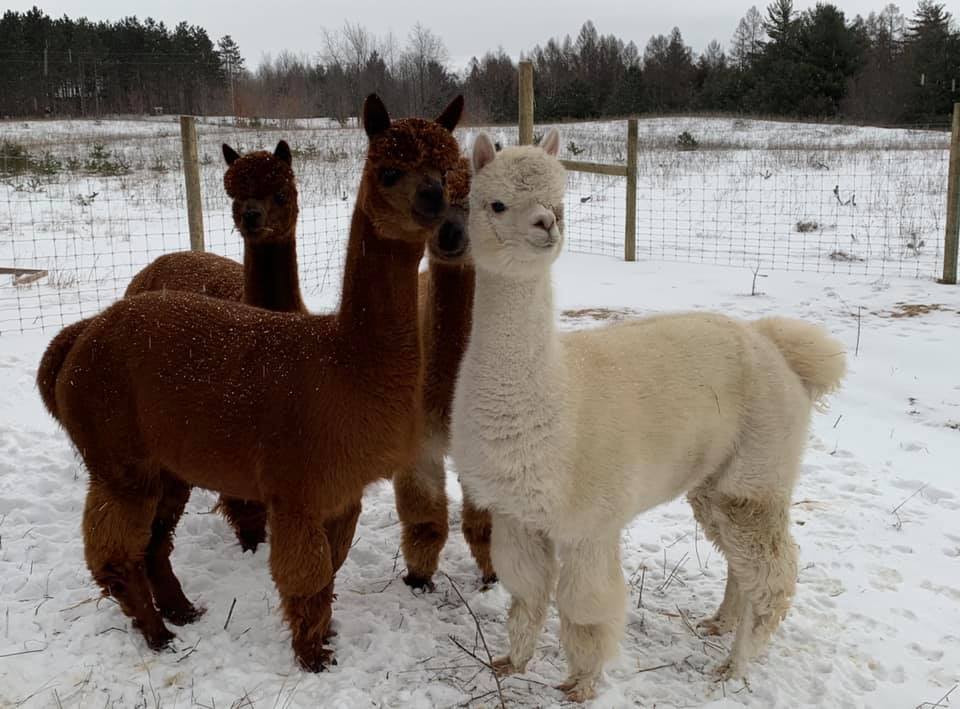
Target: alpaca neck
447	322
379	298
270	278
514	320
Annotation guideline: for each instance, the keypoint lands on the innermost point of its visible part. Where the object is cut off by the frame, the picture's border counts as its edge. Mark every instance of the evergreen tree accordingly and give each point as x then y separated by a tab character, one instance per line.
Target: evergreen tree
932	49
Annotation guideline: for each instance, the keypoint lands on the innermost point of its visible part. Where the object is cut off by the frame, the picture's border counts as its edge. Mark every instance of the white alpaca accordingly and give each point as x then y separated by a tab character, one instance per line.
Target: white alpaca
566	437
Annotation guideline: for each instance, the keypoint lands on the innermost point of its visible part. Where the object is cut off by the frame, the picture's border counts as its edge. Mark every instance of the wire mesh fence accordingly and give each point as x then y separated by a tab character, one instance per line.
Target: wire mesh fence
768	195
92	202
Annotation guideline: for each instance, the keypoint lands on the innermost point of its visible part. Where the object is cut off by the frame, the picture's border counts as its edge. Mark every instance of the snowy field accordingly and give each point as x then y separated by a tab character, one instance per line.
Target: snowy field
875	623
94	201
838	224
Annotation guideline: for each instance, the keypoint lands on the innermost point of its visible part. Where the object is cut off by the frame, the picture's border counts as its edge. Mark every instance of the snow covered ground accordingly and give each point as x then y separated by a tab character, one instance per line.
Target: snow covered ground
875	623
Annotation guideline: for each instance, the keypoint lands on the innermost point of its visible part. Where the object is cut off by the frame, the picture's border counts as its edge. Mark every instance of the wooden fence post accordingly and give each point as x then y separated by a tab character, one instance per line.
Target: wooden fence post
630	219
951	240
191	179
526	103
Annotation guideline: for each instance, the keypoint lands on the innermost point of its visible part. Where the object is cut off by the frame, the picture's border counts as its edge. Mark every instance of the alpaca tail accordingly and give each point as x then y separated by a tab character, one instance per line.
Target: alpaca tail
53	360
816	357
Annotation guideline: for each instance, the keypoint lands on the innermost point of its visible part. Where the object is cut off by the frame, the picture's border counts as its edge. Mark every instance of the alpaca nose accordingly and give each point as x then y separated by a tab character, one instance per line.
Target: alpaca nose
429	201
451	241
251	218
546	220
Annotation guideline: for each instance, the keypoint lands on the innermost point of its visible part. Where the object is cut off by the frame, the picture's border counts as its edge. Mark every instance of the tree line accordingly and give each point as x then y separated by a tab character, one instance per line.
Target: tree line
886	67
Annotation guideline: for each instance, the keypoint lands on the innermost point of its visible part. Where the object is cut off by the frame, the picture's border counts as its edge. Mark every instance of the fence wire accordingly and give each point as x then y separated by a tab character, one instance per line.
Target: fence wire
767	195
93	202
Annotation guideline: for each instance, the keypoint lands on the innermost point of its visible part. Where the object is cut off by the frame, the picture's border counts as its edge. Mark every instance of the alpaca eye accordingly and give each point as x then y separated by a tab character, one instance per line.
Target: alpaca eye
390	176
280	199
498	206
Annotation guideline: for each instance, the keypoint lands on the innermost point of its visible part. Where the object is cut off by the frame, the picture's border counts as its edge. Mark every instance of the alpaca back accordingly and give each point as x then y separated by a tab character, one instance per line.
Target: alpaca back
197	272
664	402
658	409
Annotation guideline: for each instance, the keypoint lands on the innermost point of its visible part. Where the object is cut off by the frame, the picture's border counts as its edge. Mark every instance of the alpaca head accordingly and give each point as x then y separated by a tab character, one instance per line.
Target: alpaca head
451	243
264	193
404	190
516	206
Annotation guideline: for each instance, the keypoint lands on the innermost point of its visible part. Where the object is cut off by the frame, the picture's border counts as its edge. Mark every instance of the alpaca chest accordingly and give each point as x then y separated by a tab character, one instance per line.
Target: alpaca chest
507	445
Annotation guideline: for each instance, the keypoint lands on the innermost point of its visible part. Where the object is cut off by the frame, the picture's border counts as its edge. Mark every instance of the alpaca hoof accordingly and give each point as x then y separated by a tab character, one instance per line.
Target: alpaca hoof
488	582
251	539
504	666
728	670
578	690
419	583
159	640
183	616
715	626
319	661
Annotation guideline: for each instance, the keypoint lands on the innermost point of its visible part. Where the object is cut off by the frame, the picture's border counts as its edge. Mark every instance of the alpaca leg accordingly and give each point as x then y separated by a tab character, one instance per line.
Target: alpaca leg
731	608
248	519
167	592
591	598
302	568
340	531
527	565
762	556
476	527
422	508
116	533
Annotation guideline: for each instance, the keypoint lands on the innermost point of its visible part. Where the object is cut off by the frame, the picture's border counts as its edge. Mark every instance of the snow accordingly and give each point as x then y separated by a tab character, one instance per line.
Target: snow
875	623
840	199
876	620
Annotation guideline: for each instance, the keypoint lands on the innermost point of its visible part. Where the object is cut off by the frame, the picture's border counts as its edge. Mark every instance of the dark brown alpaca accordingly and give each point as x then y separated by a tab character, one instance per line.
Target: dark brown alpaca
168	390
265	209
446	305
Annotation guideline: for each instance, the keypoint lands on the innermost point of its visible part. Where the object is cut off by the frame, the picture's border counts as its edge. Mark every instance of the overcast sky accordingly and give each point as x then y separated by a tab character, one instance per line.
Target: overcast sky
269	26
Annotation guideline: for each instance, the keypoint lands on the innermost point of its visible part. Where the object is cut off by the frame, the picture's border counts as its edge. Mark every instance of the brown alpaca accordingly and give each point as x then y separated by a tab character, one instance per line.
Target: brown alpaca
446	304
168	390
265	208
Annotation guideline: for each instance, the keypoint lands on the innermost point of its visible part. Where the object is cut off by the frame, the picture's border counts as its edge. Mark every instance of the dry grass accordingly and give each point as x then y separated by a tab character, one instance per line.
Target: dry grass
914	310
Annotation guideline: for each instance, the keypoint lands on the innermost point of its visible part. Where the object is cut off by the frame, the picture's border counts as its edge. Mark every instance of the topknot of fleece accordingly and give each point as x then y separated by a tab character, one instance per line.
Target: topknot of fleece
458	182
258	175
413	142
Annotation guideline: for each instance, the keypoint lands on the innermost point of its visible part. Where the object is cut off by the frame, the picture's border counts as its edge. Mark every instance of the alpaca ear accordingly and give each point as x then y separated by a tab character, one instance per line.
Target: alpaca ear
282	152
551	142
230	155
451	114
483	152
375	116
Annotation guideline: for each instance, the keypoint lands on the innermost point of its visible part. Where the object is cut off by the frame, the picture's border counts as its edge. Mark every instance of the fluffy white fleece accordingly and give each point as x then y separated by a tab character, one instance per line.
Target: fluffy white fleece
566	437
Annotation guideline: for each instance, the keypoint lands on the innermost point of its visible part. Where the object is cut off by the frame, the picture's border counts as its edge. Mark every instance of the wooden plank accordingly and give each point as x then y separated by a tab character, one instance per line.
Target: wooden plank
951	241
23	276
27	278
526	103
630	220
595	168
191	179
16	270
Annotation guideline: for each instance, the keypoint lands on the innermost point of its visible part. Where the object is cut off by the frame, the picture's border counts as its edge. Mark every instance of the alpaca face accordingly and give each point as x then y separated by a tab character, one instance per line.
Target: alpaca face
516	207
405	191
264	193
451	243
